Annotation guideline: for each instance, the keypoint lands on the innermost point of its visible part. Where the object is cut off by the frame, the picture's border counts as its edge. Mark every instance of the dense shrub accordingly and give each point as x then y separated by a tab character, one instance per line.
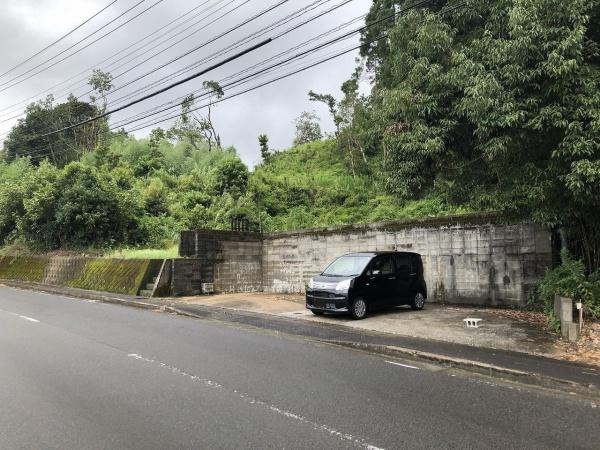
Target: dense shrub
569	280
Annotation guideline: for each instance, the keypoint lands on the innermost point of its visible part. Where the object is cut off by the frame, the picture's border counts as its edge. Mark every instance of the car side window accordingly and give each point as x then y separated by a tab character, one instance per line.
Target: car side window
416	264
403	264
385	264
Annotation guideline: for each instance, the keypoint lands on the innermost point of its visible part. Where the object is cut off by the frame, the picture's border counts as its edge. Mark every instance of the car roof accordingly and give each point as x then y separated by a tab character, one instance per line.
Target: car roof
377	253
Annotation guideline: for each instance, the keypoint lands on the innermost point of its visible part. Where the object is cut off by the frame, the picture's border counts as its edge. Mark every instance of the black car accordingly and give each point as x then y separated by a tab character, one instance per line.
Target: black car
359	282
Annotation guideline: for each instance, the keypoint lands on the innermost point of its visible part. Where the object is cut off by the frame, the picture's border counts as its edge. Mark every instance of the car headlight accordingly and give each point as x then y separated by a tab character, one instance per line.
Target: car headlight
343	285
311	284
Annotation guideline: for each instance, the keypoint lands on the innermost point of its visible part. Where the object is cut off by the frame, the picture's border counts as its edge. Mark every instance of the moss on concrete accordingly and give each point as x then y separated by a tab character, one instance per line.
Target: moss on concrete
112	275
23	268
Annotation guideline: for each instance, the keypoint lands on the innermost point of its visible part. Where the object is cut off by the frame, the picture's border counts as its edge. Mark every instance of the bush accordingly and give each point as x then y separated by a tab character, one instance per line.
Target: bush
569	280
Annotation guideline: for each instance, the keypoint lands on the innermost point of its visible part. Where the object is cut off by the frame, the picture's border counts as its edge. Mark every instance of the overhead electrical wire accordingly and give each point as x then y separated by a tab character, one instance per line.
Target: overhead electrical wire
187	79
64	36
3	86
125	49
178	100
238	44
205	43
295	72
280	77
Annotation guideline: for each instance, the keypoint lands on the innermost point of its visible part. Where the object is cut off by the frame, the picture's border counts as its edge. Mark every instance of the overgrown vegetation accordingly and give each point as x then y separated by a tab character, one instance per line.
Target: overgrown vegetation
568	280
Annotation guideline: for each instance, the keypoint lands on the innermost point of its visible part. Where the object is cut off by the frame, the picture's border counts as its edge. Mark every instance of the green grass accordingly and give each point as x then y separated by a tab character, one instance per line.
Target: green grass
148	253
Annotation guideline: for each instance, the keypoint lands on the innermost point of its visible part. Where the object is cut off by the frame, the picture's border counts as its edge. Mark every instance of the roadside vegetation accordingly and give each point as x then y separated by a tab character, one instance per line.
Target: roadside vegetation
494	107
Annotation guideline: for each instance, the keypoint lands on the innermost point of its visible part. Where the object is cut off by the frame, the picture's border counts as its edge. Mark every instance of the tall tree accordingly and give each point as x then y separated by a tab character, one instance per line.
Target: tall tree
265	151
307	128
496	104
195	127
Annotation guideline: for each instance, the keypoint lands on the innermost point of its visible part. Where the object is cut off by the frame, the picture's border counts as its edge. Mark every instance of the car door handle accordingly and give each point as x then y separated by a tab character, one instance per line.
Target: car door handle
391	278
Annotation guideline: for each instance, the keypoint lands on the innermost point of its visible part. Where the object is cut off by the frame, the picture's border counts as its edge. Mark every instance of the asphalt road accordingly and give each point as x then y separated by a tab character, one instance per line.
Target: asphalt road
85	375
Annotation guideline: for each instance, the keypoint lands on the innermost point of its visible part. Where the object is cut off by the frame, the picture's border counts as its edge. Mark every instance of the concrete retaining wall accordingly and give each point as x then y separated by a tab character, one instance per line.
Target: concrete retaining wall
100	274
467	259
485	264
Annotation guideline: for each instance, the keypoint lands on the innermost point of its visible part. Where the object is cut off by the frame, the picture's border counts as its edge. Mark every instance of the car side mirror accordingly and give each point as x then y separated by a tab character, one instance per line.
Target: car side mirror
375	272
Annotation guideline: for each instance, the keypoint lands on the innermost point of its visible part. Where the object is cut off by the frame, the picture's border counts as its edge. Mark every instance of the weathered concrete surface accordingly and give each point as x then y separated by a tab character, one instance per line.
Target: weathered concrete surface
437	322
467	259
480	264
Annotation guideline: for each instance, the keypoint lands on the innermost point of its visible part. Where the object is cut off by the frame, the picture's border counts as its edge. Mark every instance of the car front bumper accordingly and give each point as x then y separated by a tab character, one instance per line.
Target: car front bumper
327	301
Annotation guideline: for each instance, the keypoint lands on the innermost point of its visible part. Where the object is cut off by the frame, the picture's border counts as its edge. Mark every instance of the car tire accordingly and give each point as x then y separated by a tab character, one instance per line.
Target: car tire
358	308
418	302
317	313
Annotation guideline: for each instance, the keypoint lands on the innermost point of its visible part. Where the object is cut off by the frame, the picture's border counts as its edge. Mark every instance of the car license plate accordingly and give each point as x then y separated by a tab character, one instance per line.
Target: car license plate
330	305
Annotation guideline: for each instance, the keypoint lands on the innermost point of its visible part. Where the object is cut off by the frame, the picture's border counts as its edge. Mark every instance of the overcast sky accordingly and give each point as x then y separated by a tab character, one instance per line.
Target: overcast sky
27	26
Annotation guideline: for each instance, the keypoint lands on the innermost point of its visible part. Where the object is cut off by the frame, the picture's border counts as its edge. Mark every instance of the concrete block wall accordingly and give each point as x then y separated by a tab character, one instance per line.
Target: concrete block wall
468	261
185	277
231	260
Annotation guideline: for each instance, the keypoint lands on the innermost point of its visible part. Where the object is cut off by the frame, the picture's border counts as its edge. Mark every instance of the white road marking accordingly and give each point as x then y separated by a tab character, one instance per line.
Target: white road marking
260	403
31	319
402	365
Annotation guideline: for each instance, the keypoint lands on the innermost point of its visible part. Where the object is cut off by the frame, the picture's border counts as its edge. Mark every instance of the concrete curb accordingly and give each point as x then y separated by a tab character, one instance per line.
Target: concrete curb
529	378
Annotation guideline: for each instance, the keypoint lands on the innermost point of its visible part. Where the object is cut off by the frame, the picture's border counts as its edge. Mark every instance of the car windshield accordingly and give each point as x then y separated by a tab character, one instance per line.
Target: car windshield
347	266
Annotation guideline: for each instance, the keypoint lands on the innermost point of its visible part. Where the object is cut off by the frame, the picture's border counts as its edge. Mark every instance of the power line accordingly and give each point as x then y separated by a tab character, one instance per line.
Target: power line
160	91
383	36
59	39
204	44
240	42
178	100
80	49
447	10
122	51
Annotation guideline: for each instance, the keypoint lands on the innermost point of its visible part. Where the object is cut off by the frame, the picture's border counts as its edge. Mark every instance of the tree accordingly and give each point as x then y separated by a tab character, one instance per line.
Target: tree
495	105
265	152
307	128
194	127
230	176
329	100
27	137
101	83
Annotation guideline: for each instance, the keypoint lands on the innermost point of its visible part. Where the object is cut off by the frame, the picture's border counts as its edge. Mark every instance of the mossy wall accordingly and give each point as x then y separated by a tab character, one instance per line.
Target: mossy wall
124	276
112	275
23	268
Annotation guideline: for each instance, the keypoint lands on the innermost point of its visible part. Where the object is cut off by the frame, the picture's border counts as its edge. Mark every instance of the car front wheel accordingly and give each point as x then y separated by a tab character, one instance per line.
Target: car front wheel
316	312
418	302
358	308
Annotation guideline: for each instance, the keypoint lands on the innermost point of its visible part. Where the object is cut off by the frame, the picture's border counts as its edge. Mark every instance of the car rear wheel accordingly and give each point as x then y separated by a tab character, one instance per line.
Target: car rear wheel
358	308
317	313
418	302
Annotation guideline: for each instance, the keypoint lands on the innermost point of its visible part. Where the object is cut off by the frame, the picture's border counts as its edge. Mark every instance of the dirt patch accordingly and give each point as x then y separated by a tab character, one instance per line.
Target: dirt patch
586	349
536	319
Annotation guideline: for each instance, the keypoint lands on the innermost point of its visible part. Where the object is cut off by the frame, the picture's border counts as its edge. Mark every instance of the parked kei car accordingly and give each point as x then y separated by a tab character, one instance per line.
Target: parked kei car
357	283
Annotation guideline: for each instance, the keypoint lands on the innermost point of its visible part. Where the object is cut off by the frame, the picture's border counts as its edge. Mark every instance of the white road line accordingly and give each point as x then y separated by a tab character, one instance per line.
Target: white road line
31	319
256	402
402	365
